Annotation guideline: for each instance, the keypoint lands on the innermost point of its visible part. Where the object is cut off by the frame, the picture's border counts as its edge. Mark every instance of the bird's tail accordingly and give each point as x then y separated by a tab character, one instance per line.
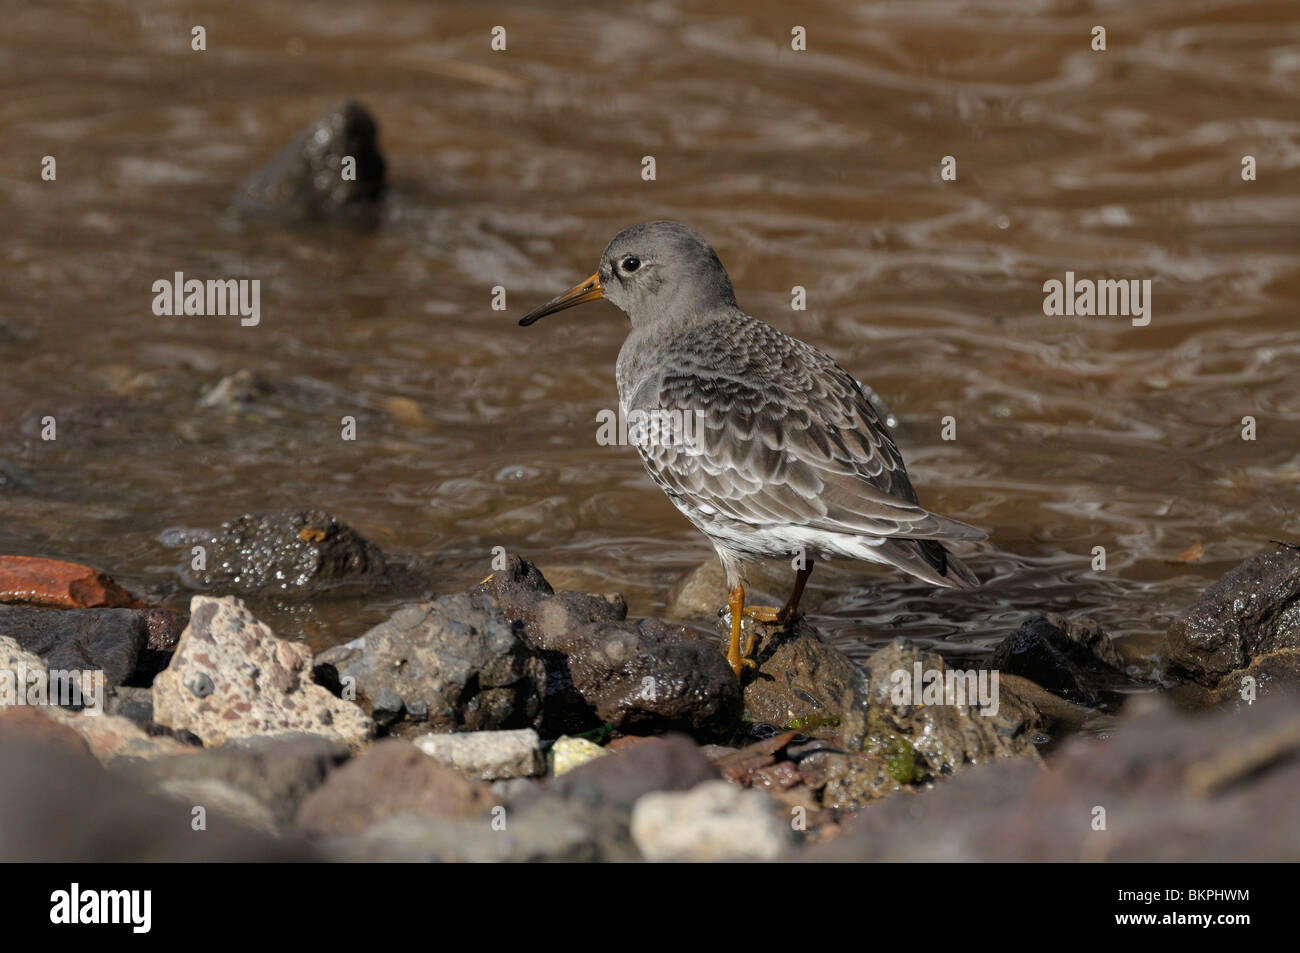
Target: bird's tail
926	559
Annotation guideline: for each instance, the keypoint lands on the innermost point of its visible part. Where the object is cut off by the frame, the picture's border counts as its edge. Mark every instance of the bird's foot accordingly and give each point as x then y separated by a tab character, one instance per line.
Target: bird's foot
767	614
738	660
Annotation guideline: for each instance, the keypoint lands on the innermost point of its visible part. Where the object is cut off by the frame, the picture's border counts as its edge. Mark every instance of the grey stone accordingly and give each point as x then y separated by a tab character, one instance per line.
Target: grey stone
457	656
715	821
487	755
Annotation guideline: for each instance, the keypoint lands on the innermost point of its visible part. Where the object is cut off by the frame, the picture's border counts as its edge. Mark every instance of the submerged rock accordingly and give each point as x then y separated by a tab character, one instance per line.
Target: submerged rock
1071	658
290	552
458	657
231	677
1247	625
305	181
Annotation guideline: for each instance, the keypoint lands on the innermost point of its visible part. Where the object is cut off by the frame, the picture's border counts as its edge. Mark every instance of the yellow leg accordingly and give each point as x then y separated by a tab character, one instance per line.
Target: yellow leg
736	603
771	614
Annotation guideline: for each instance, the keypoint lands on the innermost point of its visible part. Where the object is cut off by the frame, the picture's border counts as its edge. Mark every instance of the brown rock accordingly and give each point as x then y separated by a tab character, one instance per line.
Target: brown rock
392	777
50	582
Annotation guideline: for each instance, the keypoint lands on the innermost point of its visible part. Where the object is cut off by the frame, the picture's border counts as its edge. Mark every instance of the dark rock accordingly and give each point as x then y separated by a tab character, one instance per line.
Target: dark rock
1251	613
459	657
388	707
1072	659
304	182
669	763
1173	788
392	777
279	771
638	676
165	627
79	639
129	702
290	552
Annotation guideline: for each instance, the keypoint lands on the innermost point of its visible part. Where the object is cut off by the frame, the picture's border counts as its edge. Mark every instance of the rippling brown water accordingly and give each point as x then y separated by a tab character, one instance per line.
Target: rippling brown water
818	169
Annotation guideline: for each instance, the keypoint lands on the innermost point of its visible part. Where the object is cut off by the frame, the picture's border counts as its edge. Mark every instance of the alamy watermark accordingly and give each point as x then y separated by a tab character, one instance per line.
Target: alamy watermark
1084	297
651	428
35	687
180	296
945	686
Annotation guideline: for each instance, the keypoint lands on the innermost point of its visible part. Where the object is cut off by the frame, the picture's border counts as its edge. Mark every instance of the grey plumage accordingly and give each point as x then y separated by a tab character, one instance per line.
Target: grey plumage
789	455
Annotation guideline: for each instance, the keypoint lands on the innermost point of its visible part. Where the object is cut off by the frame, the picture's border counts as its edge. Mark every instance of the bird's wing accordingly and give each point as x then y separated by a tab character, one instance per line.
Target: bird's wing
783	439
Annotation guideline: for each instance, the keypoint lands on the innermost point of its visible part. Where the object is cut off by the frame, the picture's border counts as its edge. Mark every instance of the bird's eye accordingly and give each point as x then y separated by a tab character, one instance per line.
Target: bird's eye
630	265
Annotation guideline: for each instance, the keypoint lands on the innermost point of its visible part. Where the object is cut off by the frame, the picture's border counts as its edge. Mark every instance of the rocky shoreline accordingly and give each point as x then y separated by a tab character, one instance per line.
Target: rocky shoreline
514	722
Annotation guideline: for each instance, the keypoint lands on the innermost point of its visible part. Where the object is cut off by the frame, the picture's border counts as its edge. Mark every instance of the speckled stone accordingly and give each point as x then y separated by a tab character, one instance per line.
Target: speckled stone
232	677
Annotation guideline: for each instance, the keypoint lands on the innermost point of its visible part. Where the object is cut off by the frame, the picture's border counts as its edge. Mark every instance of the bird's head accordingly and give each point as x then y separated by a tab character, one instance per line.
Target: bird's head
652	271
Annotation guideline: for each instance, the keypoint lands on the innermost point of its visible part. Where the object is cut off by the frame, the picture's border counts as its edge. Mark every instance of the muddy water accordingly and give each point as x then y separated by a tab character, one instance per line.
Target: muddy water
818	169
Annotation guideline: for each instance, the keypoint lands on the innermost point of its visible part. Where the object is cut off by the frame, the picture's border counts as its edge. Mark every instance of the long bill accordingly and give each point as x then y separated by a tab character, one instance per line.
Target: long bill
587	290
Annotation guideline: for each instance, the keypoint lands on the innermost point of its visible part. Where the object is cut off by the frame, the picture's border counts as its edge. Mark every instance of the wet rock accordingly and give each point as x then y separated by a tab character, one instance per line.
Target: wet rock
391	778
239	392
487	755
231	677
277	771
164	626
1070	658
12	476
568	753
894	741
290	552
50	582
715	821
637	676
800	682
58	805
1161	775
1046	712
458	656
107	640
1250	615
305	180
